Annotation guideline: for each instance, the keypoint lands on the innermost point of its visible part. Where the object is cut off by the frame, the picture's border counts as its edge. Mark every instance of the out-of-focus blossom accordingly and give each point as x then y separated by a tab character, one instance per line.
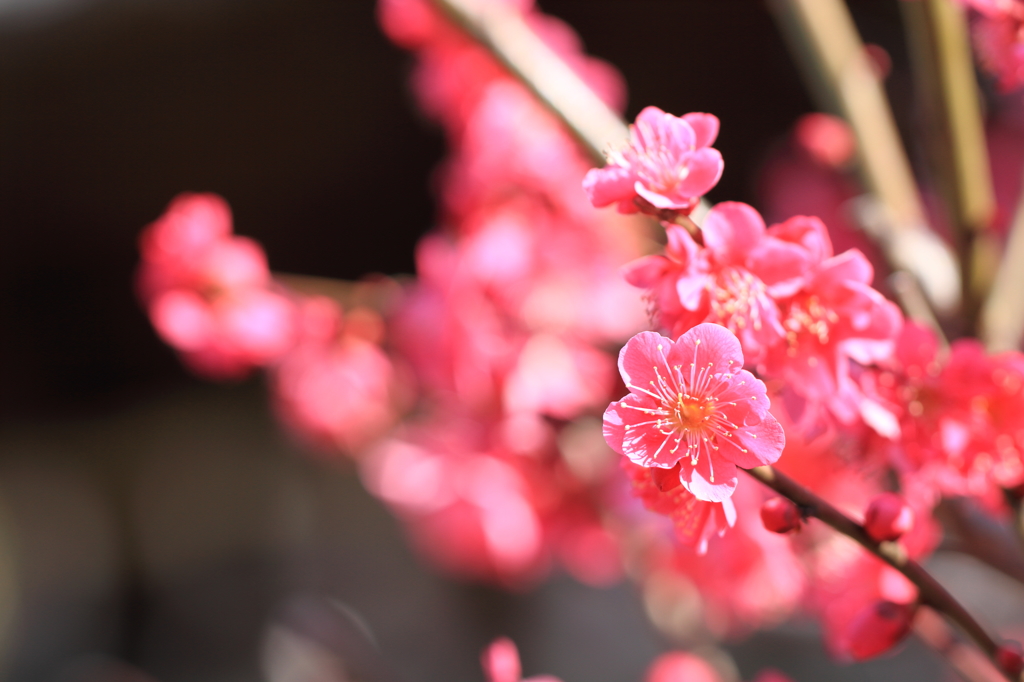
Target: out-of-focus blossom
695	521
998	32
668	165
877	629
337	388
481	505
500	661
679	666
691	403
960	429
828	139
209	293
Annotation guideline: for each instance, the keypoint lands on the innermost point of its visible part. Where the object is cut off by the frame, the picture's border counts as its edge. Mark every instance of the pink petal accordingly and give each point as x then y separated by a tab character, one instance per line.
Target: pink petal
645	272
608	185
731	229
691	291
849	266
708	344
613	428
677	201
639	356
681	248
781	266
763	444
698	479
705	128
705	169
808	232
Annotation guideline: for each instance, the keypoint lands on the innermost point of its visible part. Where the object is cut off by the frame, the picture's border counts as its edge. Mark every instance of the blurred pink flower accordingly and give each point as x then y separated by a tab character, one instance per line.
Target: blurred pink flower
500	661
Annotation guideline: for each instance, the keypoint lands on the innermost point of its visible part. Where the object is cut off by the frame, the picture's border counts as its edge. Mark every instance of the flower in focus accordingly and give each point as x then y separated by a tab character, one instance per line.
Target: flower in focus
692	403
667	165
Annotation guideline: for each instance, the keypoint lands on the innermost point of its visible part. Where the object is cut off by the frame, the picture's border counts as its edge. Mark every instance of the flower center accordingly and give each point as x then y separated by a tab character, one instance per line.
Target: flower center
693	414
809	317
737	298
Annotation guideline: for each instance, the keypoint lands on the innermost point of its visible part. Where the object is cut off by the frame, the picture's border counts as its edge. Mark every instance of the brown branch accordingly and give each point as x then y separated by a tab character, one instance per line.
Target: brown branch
823	36
378	293
930	591
931	629
1002	315
502	30
950	103
979	535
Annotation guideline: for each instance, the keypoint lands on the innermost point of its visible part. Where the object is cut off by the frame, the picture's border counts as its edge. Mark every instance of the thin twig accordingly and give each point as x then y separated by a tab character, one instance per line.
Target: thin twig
966	660
380	293
930	591
981	536
823	34
910	297
1002	315
951	105
503	31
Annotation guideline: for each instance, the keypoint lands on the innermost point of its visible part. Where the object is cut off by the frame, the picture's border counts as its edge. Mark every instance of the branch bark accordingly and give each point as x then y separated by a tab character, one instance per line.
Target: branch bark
931	593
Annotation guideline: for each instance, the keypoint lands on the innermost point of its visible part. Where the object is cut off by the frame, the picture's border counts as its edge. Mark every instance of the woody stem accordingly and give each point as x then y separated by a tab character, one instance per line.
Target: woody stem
930	591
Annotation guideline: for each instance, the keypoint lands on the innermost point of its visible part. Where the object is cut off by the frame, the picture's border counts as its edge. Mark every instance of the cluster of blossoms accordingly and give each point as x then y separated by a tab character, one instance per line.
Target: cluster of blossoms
211	297
508	325
209	292
998	32
771	346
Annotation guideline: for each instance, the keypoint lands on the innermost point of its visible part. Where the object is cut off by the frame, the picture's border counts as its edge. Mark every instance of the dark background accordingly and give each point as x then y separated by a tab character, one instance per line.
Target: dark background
152	522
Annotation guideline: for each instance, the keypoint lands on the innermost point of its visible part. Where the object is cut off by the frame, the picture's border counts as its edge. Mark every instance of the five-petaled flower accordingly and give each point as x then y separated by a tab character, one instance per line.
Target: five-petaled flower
692	403
667	165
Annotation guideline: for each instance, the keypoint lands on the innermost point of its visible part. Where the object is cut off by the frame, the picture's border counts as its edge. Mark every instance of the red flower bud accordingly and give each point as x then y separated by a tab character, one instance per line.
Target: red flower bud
877	629
780	515
888	517
1010	658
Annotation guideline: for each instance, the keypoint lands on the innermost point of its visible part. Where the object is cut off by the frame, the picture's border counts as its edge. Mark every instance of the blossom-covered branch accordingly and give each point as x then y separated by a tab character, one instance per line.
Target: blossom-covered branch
504	32
941	56
931	592
825	29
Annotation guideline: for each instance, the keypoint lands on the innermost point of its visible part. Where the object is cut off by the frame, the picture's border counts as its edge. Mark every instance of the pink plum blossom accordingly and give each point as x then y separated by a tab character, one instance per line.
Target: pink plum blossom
735	278
692	403
668	165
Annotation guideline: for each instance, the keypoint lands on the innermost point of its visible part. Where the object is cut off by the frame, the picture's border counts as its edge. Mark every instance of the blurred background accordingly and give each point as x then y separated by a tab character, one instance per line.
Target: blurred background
157	527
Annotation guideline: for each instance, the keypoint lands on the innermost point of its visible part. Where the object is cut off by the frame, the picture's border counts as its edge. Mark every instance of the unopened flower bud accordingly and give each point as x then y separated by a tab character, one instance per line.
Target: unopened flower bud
878	628
1010	657
888	517
780	515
